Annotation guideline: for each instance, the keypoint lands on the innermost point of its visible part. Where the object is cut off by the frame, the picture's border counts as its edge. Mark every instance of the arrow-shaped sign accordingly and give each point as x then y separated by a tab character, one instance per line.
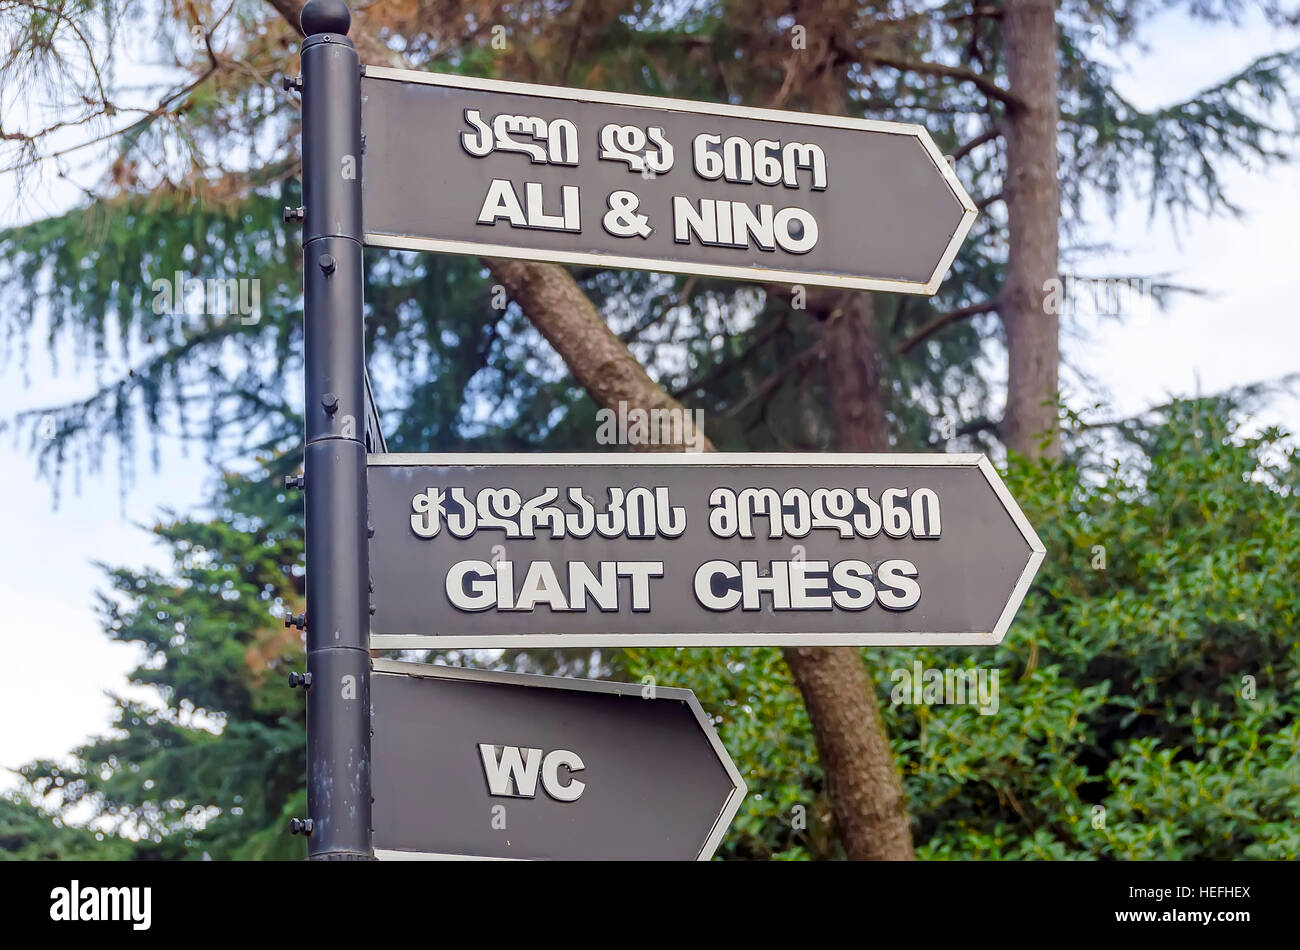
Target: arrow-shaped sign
694	550
476	166
509	765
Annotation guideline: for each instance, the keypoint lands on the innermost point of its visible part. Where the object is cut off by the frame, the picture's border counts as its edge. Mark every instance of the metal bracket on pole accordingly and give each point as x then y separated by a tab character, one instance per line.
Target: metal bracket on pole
338	658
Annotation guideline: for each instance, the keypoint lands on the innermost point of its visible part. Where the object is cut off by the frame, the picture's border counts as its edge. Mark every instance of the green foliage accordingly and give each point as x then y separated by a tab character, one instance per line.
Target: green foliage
1175	154
1125	687
1121	688
460	373
213	763
107	277
30	833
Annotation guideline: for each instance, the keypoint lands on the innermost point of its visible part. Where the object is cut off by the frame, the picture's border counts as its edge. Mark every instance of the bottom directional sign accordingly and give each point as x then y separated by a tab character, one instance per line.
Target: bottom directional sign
468	763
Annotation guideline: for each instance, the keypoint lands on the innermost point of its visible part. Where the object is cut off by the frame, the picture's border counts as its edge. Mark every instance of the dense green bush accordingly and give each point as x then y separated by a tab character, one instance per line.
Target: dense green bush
1147	688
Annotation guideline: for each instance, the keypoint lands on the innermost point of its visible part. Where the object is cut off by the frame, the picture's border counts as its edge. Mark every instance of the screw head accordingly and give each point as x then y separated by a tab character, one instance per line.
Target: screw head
330	402
327	264
300	826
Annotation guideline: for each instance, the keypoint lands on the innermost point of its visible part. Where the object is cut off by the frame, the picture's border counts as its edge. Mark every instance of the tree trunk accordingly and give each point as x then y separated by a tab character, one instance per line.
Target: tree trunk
1033	199
852	347
597	358
862	780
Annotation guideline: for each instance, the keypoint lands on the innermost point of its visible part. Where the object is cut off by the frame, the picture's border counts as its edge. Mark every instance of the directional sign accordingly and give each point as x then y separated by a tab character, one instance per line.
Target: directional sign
475	166
505	765
693	550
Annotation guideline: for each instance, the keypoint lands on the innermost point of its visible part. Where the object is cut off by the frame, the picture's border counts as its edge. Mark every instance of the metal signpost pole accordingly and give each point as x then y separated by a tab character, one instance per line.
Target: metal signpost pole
337	619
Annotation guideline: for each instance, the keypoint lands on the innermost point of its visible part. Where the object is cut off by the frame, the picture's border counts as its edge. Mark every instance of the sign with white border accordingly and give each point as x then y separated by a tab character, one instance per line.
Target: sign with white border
462	165
713	549
481	764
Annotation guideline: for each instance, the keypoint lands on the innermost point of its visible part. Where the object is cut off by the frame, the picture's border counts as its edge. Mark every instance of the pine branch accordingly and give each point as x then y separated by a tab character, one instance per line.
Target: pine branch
994	131
719	370
943	320
980	81
1182	144
795	369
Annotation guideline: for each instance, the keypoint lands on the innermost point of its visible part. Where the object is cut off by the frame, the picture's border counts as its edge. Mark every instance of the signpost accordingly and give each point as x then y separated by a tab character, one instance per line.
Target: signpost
694	550
506	765
476	166
334	463
504	551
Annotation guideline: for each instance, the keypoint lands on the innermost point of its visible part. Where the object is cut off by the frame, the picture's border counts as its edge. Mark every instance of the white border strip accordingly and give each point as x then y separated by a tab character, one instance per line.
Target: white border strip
390	854
534	680
765	459
413	641
420	641
748	273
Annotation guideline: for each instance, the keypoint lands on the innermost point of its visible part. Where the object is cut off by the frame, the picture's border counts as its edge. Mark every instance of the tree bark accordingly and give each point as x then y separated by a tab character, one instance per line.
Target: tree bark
599	361
852	347
1033	201
863	783
862	780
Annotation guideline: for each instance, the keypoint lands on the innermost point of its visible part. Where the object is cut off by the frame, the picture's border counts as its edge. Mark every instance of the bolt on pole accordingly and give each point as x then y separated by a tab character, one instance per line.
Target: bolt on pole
338	603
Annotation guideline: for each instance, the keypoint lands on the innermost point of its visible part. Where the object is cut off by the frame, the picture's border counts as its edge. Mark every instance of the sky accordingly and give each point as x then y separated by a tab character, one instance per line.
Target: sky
1245	329
62	666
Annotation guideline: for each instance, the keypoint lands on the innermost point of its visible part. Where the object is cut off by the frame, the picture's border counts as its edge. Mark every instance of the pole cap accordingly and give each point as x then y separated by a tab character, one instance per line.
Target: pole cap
325	16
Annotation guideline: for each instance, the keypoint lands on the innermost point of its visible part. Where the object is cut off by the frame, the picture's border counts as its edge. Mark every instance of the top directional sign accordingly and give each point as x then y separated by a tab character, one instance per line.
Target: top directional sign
474	166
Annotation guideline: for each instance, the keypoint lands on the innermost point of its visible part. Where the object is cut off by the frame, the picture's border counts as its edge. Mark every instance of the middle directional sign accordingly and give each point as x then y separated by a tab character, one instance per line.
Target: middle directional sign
505	169
693	550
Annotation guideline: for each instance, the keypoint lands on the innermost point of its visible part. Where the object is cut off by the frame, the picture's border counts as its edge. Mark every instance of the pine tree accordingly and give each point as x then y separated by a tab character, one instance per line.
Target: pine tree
214	764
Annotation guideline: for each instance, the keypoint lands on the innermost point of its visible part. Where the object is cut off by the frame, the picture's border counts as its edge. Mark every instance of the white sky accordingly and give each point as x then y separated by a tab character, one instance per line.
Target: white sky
1247	329
60	665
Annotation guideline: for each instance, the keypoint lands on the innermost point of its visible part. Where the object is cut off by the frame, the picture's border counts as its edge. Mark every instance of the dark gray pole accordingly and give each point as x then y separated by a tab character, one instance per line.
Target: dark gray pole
338	603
